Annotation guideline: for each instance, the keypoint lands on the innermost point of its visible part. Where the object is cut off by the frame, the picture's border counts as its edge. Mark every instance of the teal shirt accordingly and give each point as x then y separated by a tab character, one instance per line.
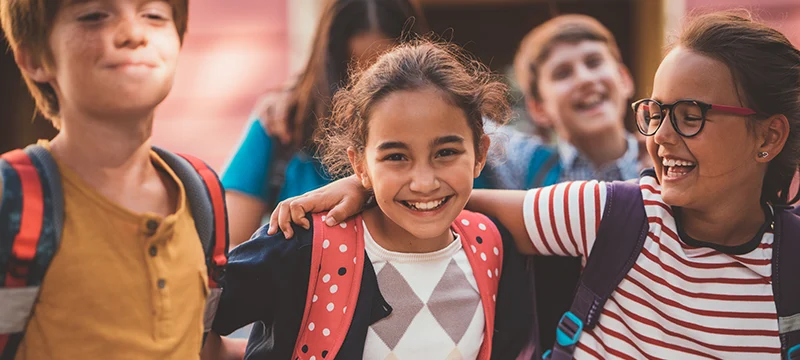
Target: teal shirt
249	168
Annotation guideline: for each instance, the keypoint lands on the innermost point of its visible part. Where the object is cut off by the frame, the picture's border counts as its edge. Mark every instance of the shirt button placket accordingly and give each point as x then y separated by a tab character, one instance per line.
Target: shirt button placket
152	226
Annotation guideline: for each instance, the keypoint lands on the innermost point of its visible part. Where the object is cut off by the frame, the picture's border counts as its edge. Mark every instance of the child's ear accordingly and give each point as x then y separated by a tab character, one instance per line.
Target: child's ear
627	81
772	136
32	66
482	154
537	113
359	167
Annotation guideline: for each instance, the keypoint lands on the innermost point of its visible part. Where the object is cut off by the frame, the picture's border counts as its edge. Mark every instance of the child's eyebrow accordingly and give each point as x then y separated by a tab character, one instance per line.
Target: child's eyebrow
75	2
388	145
447	139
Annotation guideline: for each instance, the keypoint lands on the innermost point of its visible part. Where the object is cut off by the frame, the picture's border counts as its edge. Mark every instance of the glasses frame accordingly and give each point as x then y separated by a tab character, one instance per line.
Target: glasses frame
704	107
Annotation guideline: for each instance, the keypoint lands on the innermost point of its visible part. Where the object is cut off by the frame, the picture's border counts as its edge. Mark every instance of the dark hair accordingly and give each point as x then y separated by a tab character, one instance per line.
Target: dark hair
535	47
417	65
766	69
328	64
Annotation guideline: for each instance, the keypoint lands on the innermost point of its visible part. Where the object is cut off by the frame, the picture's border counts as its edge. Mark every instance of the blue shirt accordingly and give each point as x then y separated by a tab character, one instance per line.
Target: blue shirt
249	169
521	161
577	166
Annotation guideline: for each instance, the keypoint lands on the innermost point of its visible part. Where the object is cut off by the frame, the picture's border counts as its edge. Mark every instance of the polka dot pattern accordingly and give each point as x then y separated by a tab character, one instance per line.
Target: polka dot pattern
486	259
337	280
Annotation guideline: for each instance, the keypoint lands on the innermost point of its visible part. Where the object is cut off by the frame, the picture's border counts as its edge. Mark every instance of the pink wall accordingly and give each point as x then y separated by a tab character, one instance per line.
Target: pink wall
783	15
233	51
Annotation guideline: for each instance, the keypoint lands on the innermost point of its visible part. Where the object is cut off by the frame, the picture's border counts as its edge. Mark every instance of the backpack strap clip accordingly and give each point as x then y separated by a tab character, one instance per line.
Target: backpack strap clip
17	270
794	352
569	331
619	242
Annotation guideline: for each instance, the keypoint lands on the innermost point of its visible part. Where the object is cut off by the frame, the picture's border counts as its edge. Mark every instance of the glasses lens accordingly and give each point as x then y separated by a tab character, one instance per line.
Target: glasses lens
648	117
688	118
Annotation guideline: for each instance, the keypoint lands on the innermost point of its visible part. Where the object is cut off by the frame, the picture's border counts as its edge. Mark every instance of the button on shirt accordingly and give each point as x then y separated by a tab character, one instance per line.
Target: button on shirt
122	285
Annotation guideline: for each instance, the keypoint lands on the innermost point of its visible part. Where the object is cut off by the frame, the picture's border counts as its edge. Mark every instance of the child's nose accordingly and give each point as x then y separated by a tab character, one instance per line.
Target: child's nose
584	74
666	133
423	179
130	32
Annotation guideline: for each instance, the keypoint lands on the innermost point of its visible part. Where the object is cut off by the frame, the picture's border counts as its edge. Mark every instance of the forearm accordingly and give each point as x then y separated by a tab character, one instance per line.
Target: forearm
221	348
507	207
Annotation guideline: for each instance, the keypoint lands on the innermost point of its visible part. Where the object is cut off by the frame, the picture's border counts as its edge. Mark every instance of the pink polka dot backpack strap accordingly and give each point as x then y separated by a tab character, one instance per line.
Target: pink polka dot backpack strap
337	263
484	248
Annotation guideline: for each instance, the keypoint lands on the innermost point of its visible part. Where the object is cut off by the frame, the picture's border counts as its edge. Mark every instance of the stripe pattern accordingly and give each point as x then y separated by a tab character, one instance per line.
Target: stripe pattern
678	301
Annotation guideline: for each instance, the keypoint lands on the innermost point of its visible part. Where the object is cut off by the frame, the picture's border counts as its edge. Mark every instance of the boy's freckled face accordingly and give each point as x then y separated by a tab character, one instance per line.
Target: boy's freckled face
113	57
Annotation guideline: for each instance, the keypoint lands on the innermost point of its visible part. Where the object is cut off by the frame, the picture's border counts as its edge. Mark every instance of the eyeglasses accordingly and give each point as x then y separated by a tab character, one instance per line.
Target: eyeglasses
687	116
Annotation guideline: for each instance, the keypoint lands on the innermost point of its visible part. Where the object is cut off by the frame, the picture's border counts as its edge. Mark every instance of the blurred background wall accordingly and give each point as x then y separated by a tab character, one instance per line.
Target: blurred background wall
237	49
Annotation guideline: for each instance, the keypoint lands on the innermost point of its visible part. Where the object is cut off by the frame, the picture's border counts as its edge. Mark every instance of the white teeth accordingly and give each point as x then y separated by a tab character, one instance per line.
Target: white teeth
673	162
592	99
427	205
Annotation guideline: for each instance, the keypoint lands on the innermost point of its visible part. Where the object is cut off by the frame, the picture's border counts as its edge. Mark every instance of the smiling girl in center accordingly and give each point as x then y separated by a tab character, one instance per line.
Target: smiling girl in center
431	280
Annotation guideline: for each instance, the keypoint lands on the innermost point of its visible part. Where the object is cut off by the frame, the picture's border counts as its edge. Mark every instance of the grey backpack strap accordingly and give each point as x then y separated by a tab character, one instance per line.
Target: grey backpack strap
619	242
31	221
276	175
785	280
207	203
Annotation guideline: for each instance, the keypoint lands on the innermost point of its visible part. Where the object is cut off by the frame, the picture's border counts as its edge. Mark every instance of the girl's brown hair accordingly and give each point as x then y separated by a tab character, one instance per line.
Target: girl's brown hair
766	68
326	70
464	82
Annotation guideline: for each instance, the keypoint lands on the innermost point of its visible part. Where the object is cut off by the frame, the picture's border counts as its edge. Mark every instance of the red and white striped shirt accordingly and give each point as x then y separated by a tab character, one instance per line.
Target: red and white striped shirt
678	301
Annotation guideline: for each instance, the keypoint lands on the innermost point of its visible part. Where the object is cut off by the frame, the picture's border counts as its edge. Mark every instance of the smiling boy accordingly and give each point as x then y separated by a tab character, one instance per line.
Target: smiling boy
129	278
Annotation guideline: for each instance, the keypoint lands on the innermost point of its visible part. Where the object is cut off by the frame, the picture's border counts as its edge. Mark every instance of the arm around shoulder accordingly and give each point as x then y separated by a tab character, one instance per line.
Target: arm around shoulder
255	278
507	207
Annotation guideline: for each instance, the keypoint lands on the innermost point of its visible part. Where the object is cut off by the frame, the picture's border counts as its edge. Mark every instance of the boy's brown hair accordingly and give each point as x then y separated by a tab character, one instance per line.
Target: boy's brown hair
27	24
537	44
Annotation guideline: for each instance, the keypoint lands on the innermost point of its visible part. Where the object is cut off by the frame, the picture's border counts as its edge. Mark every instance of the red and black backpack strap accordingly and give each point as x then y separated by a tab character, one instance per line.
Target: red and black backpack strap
337	265
483	245
207	203
31	220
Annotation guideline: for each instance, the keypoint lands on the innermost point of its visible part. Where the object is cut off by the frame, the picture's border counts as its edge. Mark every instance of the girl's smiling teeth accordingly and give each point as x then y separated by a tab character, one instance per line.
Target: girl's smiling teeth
426	205
675	168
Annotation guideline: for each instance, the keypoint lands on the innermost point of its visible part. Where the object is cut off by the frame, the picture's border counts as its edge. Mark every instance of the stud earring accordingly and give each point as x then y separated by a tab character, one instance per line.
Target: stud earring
763	154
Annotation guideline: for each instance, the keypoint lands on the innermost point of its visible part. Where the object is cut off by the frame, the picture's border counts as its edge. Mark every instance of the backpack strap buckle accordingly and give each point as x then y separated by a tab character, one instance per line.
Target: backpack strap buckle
794	353
19	268
569	331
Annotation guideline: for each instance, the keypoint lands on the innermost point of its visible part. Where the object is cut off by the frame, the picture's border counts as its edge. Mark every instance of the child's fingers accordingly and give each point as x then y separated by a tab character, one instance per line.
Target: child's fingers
273	217
298	213
285	220
348	207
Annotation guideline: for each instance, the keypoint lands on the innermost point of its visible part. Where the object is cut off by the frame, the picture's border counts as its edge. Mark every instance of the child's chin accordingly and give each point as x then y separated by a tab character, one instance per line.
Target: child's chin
673	197
429	231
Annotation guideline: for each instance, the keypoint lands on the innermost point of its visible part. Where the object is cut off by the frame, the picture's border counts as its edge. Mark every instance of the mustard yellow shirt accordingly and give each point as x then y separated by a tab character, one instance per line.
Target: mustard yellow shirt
122	285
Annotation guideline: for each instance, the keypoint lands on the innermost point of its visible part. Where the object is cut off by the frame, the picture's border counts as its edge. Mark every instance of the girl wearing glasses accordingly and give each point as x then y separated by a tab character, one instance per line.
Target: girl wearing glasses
722	131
